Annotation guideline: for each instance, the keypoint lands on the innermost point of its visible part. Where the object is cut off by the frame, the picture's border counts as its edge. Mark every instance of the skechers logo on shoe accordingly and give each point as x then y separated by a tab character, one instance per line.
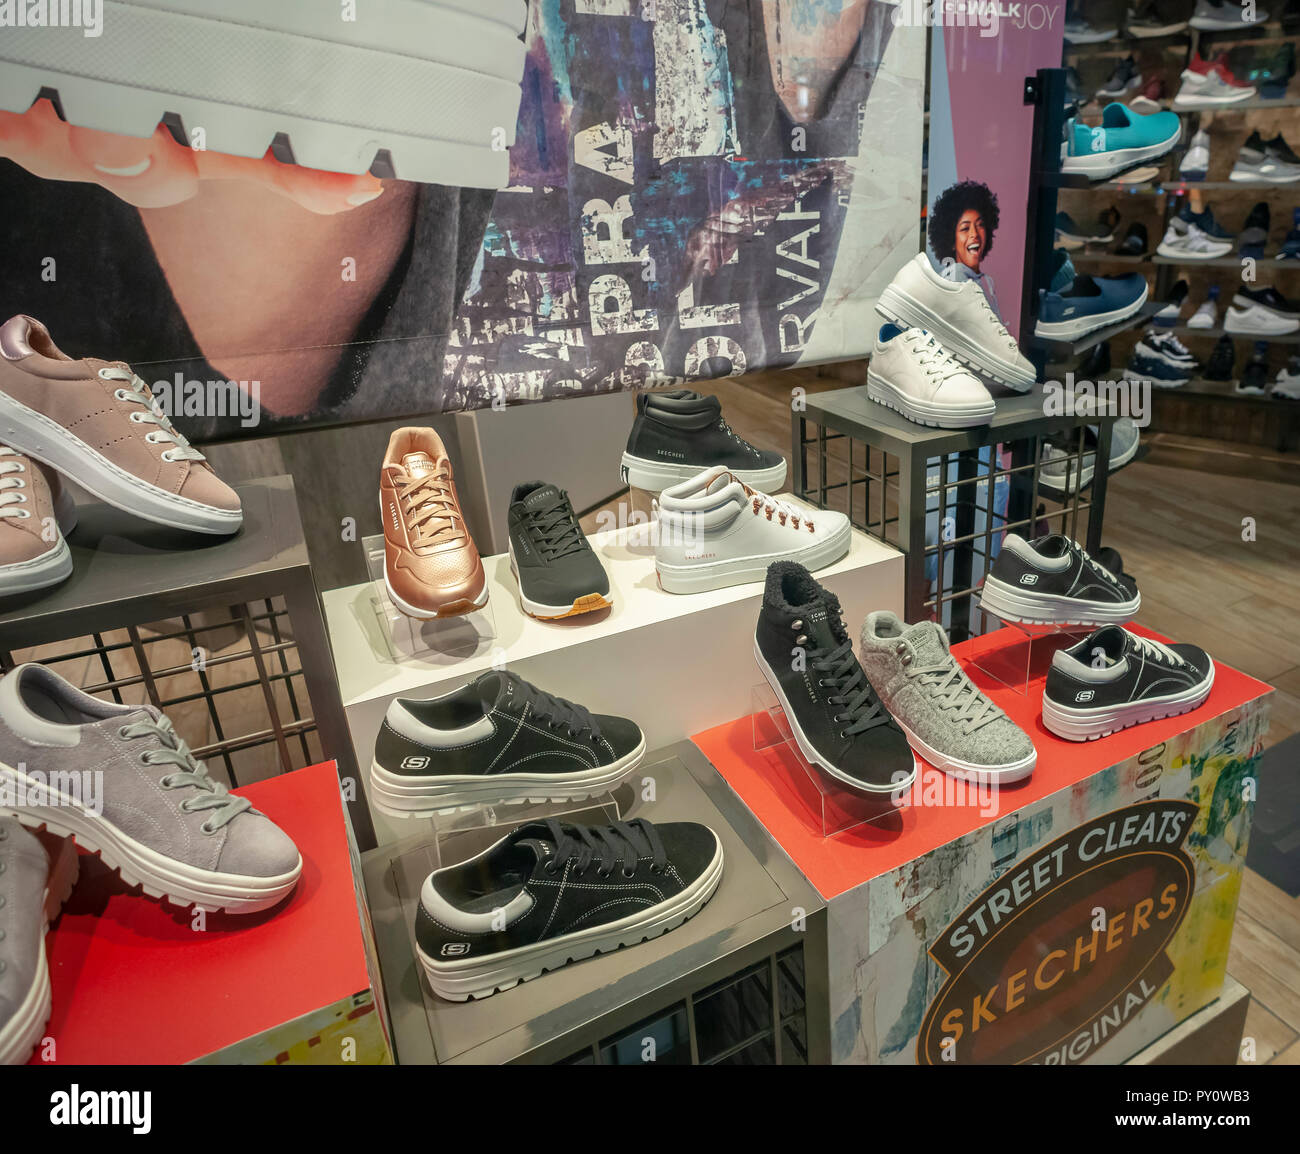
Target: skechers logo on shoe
454	949
415	763
1084	695
1029	579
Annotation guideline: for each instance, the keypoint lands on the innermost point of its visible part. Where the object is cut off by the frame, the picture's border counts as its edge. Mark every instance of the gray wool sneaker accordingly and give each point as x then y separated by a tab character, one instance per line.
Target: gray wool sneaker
122	782
947	720
34	884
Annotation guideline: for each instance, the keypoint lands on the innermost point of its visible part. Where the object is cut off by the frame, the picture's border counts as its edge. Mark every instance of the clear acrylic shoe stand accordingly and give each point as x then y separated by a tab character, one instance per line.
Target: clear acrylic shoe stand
835	806
1023	661
409	638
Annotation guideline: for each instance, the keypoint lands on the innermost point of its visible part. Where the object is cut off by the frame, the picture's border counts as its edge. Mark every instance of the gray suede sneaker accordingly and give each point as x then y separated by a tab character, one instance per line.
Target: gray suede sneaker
122	782
947	720
34	884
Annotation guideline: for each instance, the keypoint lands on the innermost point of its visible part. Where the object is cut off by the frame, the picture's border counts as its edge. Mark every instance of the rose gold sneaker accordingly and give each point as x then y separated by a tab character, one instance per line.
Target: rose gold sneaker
431	567
35	514
96	422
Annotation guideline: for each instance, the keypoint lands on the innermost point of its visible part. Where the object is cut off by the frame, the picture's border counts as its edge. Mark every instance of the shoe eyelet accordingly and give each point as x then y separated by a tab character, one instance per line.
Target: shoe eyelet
167	456
629	873
121	395
207	829
185	806
19	483
796	625
843	734
165	782
144	757
103	376
602	874
23	514
121	732
802	639
549	868
136	418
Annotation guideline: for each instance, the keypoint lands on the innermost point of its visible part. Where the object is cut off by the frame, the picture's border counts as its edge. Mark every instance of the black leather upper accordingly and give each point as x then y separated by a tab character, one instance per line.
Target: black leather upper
685	428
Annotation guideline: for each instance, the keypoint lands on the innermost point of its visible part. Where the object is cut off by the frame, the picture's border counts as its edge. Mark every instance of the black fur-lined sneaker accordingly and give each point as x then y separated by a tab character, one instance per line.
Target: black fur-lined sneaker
497	740
558	572
550	893
1053	581
1113	679
836	718
678	435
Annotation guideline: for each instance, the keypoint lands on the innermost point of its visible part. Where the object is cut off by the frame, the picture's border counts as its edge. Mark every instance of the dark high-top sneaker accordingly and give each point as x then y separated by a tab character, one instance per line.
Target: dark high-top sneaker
836	718
680	434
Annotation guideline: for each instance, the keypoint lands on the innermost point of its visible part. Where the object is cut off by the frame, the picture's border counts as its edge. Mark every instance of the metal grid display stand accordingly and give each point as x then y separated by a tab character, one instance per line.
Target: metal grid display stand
243	606
891	476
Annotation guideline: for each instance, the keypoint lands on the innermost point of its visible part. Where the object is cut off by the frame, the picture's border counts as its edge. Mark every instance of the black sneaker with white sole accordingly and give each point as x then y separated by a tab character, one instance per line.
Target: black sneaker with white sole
498	740
1053	581
678	435
550	893
836	718
558	572
1113	679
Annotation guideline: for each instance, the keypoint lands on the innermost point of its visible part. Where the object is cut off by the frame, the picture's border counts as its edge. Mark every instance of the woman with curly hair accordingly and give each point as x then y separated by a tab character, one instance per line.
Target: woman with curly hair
962	225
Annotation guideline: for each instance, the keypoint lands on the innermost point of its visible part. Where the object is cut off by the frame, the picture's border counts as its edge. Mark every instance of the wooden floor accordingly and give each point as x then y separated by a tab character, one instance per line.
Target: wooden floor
1179	518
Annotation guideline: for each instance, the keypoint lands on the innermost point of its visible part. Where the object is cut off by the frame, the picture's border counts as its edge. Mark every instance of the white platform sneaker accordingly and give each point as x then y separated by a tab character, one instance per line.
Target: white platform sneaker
960	317
915	375
715	531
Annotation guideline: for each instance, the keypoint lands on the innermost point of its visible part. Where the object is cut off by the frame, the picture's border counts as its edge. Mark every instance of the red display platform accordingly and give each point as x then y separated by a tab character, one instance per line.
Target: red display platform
777	790
134	981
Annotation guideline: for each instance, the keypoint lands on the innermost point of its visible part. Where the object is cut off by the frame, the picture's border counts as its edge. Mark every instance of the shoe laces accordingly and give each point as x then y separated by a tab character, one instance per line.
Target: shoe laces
557	712
783	512
136	392
624	843
931	356
557	530
842	673
730	432
1099	567
1148	647
189	773
952	691
13	501
999	328
429	504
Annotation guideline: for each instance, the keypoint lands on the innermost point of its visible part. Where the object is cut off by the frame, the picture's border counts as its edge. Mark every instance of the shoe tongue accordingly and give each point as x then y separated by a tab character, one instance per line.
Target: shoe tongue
494	689
536	839
419	464
928	642
822	623
544	498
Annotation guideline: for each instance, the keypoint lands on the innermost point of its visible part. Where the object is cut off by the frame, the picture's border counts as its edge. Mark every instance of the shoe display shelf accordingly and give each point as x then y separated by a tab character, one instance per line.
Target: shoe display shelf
739	983
1219	402
136	981
196	590
944	497
672	663
963	929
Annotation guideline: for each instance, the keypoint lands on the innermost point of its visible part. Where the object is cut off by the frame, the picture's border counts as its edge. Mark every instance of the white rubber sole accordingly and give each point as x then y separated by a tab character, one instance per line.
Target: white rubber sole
1011	603
1273	326
1197	100
401	795
738	570
49	442
940	416
1077	327
1076	724
904	309
1093	37
1173	252
1262	177
159	876
810	753
23	1032
1156	382
969	770
482	977
408	610
1152	33
1064	482
417	83
583	603
1103	165
656	476
51	568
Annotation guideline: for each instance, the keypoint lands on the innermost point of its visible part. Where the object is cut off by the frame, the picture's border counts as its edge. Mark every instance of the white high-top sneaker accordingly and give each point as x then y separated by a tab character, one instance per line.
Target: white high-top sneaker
914	374
960	317
715	531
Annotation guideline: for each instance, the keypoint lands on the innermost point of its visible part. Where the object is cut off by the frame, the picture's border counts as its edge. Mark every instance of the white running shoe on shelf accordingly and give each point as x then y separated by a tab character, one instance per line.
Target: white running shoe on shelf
1192	245
1205	317
1196	161
1255	320
915	375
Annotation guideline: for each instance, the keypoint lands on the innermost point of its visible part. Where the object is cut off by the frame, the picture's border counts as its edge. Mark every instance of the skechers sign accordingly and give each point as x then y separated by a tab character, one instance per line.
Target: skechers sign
1058	954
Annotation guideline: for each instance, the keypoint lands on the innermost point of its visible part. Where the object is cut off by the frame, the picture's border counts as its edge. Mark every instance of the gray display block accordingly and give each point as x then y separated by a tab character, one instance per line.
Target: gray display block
762	907
128	572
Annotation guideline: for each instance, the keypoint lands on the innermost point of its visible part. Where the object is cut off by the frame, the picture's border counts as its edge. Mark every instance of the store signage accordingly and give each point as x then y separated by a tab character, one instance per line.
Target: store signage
1064	948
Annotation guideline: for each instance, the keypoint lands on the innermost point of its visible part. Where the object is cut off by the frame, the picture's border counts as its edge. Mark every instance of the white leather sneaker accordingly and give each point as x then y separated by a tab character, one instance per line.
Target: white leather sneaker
715	531
960	317
914	374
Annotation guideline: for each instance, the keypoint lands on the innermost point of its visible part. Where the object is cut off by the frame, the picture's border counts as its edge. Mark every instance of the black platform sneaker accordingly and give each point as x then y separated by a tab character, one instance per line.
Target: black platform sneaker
497	740
558	572
680	434
550	893
1113	679
1053	581
836	718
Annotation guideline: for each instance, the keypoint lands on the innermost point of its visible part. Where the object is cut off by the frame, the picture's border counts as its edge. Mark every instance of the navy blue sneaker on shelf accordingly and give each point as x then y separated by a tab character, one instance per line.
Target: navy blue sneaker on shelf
1160	373
1204	220
1291	246
1074	306
1167	348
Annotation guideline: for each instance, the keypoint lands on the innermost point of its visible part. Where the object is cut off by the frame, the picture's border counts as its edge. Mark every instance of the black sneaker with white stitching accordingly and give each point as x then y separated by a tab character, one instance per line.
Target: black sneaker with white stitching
1053	581
496	741
1113	679
550	893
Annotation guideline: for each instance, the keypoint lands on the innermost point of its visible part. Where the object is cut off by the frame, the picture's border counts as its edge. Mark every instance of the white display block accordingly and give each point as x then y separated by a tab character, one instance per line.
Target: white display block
675	664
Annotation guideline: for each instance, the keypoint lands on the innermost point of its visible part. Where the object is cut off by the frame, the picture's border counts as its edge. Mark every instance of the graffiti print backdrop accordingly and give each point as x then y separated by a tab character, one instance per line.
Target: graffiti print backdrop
699	188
